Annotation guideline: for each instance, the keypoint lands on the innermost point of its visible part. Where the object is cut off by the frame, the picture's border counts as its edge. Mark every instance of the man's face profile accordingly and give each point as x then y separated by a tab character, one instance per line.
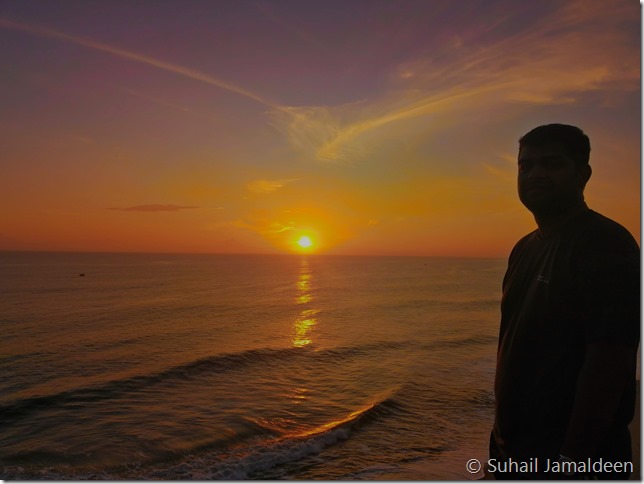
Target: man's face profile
548	179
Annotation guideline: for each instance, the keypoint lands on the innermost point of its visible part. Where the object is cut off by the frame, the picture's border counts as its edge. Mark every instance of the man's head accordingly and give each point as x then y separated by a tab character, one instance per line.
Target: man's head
553	168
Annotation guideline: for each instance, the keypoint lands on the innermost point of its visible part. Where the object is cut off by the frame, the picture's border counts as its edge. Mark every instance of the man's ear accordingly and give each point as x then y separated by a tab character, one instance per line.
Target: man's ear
584	174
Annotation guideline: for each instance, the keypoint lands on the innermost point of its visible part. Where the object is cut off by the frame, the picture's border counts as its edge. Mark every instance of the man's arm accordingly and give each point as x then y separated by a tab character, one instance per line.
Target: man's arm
602	380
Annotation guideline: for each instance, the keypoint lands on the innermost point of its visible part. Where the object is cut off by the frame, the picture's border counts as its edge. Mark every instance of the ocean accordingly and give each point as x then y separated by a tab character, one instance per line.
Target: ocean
168	366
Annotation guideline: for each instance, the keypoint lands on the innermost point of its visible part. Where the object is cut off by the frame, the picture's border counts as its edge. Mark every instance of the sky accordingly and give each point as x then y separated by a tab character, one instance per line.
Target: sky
241	126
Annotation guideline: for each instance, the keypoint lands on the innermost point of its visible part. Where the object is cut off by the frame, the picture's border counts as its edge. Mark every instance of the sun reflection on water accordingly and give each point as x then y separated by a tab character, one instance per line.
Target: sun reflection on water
306	320
304	298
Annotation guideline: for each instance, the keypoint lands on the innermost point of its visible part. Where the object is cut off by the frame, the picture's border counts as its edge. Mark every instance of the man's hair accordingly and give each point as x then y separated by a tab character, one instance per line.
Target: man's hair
572	139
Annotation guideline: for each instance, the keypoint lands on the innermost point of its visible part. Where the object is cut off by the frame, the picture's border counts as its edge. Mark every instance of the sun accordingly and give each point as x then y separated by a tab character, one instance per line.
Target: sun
305	242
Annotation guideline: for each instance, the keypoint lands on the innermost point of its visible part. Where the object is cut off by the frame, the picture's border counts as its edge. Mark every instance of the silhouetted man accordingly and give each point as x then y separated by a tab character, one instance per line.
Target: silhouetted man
570	318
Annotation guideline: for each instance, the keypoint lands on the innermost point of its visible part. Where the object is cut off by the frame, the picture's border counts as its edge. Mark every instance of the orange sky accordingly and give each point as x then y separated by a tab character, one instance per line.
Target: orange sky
373	127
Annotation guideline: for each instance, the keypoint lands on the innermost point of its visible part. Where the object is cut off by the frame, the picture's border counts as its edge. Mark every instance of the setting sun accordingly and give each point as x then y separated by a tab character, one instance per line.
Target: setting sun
305	242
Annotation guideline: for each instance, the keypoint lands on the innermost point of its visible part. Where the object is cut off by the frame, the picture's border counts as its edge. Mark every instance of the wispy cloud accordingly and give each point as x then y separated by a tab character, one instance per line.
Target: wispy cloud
265	227
555	61
268	186
153	208
133	56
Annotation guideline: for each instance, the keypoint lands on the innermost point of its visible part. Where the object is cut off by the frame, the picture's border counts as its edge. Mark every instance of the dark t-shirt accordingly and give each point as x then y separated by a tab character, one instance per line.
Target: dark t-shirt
562	291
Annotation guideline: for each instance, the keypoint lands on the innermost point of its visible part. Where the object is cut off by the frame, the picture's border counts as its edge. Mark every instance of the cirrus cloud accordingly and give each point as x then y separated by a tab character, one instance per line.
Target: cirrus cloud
268	186
153	208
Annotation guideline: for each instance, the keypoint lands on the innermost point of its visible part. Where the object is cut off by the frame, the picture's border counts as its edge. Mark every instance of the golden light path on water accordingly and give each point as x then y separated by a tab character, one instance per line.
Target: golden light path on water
306	319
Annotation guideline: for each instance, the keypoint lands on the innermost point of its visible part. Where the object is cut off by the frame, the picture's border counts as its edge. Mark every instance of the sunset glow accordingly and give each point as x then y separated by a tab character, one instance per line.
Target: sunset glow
233	127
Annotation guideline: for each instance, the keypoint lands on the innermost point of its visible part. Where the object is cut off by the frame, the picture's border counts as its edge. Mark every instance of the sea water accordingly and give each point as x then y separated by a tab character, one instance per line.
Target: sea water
159	366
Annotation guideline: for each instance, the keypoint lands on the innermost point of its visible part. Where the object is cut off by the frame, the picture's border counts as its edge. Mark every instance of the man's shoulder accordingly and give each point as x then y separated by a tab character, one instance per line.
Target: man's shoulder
525	243
600	231
527	239
590	233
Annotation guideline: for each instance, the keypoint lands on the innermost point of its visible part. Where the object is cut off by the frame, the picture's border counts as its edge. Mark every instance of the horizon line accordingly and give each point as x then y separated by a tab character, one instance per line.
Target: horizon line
64	251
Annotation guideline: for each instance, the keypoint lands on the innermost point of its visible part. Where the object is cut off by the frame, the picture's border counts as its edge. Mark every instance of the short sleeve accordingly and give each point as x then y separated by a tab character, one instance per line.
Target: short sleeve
610	285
